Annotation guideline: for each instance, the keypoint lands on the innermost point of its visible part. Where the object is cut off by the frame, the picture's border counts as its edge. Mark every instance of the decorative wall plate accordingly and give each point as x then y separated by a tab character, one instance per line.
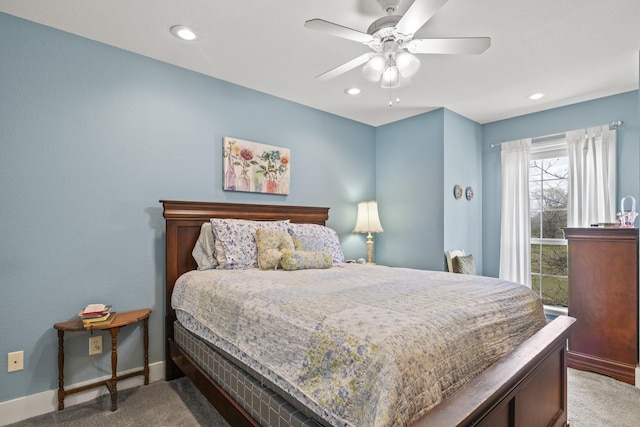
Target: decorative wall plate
469	193
457	191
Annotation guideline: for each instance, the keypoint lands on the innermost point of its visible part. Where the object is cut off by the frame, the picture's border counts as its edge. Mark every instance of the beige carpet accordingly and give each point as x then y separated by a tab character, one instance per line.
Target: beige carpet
599	401
593	401
162	404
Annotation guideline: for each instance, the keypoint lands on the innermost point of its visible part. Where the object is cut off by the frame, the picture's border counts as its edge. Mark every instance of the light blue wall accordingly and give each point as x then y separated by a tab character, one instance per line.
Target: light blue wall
92	137
558	120
409	182
418	162
463	166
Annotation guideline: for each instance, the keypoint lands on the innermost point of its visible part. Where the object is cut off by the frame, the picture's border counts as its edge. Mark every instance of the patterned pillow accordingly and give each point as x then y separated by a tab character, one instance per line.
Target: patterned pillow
308	243
271	244
331	242
238	240
301	260
464	264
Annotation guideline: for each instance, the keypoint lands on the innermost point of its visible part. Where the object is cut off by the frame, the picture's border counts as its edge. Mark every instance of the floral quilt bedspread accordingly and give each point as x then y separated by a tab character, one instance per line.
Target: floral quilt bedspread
359	345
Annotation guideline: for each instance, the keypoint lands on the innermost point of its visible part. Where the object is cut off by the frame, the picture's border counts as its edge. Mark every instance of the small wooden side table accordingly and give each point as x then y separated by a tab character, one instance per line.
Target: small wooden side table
120	320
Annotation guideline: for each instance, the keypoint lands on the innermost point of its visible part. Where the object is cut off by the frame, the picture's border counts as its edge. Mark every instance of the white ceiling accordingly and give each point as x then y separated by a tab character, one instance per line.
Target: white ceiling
572	50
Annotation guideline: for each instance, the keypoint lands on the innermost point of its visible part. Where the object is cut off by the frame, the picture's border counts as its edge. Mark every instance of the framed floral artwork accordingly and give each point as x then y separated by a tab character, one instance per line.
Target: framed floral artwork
255	167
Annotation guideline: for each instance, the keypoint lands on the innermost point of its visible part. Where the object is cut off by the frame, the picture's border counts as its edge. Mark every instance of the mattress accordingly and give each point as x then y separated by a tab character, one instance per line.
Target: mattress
263	404
358	345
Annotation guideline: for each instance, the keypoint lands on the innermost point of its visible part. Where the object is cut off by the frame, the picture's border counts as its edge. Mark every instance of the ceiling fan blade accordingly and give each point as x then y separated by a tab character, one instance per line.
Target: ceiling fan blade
338	30
417	15
455	46
347	66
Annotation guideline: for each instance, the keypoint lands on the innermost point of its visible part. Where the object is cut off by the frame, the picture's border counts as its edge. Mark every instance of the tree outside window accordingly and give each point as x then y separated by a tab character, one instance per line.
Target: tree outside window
548	194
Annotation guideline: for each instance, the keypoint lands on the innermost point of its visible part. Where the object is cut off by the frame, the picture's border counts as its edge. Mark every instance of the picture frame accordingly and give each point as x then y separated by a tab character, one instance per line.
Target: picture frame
255	167
457	191
469	193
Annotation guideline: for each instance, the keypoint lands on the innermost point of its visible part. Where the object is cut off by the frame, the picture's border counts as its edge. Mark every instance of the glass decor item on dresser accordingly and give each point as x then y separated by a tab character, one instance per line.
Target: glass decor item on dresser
627	218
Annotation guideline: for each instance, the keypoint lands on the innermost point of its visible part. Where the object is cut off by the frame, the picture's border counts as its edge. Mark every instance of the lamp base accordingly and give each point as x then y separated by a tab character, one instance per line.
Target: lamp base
370	250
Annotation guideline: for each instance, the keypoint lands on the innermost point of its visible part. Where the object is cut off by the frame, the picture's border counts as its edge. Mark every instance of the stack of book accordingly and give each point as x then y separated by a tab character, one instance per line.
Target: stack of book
96	315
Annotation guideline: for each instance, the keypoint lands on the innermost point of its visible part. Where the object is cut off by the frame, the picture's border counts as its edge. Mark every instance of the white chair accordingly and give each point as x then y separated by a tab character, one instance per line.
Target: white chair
451	255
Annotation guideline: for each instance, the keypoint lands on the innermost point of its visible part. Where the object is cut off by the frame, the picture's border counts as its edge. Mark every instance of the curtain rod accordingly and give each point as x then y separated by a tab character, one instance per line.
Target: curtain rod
613	125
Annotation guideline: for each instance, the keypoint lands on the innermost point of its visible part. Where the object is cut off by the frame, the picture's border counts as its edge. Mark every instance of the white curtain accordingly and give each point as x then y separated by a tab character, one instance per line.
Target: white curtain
515	226
592	176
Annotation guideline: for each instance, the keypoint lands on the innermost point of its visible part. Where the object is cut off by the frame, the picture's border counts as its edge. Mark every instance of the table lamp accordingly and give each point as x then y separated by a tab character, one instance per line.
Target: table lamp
368	222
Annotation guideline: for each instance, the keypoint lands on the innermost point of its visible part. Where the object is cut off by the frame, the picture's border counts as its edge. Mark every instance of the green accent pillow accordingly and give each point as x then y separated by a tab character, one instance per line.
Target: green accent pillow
302	260
271	244
464	264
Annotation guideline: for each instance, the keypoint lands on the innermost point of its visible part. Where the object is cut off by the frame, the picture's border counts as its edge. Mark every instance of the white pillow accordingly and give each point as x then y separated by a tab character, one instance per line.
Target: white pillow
218	252
203	251
238	240
328	235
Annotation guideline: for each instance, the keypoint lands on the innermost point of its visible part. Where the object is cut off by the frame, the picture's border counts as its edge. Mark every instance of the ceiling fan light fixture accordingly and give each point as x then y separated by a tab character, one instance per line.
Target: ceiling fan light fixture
390	77
374	68
183	32
407	64
391	38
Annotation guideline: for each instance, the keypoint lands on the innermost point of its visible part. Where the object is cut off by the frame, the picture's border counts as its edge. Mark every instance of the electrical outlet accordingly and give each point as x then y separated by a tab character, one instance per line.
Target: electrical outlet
15	361
95	345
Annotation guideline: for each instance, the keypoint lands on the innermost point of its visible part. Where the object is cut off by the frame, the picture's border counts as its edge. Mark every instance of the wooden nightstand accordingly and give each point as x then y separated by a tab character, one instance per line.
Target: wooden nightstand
121	319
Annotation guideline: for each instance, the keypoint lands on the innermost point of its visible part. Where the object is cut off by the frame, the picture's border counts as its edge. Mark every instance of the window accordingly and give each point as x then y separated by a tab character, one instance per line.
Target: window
548	191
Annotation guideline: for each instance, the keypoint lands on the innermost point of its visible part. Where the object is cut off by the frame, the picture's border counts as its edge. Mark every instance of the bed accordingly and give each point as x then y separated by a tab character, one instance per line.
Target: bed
525	387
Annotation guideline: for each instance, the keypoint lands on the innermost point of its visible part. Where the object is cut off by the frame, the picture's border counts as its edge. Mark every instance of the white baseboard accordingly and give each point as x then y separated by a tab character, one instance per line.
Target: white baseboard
25	407
638	376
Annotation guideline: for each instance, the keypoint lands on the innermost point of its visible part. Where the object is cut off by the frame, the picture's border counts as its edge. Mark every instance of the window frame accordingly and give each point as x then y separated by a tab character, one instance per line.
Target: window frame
548	149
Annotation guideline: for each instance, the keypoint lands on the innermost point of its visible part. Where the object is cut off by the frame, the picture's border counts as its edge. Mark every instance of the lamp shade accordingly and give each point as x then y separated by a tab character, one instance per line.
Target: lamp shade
368	220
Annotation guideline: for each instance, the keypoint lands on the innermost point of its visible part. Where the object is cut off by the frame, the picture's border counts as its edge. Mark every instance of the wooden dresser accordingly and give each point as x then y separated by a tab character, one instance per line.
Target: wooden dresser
603	297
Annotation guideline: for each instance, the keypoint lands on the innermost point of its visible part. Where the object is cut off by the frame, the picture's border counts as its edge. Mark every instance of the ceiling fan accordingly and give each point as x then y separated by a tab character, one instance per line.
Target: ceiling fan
390	38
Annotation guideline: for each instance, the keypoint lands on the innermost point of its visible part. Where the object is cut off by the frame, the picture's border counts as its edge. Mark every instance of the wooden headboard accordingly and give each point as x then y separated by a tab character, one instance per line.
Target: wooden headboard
184	219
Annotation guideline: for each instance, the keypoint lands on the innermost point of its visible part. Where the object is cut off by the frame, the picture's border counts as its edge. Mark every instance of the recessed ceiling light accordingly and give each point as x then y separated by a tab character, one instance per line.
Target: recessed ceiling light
536	95
184	33
352	91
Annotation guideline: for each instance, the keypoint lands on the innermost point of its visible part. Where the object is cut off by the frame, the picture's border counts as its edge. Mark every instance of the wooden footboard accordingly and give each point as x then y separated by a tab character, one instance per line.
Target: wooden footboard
528	387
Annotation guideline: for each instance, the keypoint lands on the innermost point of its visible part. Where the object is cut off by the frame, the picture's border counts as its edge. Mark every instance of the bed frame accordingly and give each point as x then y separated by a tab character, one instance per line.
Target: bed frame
528	387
